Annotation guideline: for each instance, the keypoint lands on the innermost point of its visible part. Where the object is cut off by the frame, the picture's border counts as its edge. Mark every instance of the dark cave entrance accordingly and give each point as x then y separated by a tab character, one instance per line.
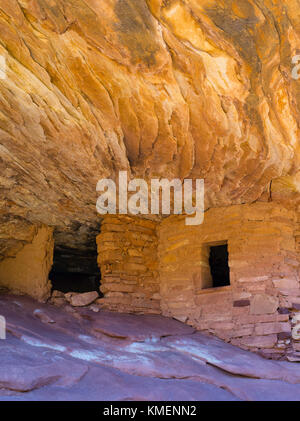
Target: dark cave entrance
219	267
75	270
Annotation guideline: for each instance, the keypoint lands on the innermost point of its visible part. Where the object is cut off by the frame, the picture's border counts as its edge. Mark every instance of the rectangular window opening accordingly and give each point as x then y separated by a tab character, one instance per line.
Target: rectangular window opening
219	267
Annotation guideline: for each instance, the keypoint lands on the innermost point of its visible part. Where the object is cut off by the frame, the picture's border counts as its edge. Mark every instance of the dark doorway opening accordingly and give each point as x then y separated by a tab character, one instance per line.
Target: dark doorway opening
219	268
75	271
74	282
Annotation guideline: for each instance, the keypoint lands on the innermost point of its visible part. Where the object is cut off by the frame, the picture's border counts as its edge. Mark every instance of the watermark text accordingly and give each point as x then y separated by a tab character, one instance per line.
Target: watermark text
296	68
133	197
2	328
2	68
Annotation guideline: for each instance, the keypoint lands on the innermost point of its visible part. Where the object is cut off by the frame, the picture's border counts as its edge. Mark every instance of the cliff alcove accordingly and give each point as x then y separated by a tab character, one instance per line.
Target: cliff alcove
171	89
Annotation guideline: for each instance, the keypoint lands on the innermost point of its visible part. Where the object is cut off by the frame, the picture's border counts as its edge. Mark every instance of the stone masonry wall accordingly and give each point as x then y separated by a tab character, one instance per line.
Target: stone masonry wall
127	256
28	271
293	301
255	312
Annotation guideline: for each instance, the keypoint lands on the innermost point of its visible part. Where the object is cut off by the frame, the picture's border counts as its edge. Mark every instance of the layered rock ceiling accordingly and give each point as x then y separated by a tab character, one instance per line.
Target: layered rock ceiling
198	89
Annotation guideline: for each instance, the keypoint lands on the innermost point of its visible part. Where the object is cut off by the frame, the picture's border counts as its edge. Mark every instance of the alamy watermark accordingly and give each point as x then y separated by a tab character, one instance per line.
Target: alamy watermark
2	68
2	327
133	197
296	327
296	68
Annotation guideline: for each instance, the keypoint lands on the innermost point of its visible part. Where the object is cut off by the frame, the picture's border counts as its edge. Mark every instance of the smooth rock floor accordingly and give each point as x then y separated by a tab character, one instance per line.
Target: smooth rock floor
58	354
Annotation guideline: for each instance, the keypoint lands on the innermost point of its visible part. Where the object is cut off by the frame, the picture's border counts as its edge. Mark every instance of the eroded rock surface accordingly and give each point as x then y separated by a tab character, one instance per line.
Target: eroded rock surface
158	88
107	356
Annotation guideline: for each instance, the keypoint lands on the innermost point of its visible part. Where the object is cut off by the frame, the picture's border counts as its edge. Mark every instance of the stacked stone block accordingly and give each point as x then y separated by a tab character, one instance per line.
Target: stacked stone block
127	256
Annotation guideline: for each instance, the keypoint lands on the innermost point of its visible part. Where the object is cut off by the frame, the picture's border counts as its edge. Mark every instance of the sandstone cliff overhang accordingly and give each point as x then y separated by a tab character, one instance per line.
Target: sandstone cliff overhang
157	88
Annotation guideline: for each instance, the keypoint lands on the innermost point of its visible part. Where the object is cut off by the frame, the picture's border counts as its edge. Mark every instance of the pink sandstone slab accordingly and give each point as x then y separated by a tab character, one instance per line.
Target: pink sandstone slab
52	354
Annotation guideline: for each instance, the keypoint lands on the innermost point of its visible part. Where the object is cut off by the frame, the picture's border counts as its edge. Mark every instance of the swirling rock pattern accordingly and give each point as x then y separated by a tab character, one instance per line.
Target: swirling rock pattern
173	88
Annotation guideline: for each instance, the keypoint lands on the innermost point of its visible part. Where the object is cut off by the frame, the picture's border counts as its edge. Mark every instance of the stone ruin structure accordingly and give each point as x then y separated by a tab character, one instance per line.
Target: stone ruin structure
173	89
167	268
